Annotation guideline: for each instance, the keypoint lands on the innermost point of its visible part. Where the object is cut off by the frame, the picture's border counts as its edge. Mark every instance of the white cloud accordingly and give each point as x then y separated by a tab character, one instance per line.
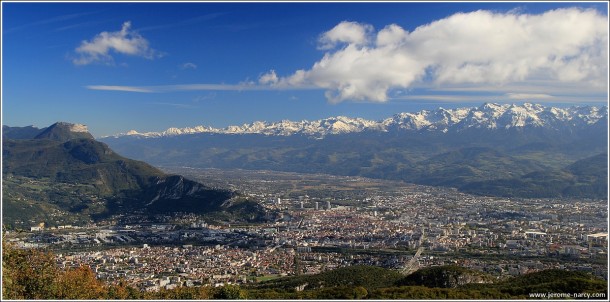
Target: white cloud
482	48
125	41
528	96
268	78
507	98
443	98
188	65
243	86
118	88
345	32
391	35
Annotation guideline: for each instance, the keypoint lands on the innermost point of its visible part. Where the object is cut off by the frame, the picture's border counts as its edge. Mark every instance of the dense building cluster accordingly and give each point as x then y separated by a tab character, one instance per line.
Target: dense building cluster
316	232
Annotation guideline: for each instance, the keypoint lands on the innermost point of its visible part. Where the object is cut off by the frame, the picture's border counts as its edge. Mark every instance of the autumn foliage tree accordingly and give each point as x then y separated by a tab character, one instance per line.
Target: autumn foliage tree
28	274
79	284
33	274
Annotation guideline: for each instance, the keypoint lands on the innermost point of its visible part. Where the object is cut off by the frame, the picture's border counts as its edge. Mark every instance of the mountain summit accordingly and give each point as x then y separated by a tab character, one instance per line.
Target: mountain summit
78	179
62	131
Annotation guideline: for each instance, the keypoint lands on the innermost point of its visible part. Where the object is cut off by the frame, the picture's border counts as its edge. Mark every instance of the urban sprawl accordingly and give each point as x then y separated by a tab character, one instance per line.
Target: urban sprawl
353	221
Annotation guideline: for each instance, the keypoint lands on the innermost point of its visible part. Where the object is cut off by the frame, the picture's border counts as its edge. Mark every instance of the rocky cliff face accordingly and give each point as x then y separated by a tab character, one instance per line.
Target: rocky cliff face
453	280
62	131
174	188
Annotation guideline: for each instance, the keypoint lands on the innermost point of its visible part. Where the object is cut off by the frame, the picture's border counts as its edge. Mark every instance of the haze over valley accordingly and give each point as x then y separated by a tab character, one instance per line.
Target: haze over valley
528	150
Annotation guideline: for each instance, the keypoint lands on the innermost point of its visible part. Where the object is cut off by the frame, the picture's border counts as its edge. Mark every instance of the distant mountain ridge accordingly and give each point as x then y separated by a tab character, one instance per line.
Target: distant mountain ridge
524	150
26	132
491	149
486	116
63	173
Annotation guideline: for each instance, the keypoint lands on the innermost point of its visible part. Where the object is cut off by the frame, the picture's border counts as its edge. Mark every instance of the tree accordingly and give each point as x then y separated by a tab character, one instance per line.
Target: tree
360	292
228	292
120	292
79	284
28	273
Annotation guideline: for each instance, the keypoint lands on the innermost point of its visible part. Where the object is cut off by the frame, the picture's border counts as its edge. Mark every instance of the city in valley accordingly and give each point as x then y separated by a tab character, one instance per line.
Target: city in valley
317	222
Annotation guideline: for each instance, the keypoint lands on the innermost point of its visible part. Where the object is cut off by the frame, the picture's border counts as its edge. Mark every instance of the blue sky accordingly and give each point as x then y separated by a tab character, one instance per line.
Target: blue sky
151	66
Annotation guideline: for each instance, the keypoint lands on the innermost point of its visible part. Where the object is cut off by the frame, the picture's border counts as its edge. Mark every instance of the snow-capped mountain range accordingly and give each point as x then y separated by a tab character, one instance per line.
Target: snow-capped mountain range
486	116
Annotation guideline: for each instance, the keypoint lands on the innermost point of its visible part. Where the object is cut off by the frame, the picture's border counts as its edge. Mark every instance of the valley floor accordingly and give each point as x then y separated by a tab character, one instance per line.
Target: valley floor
321	222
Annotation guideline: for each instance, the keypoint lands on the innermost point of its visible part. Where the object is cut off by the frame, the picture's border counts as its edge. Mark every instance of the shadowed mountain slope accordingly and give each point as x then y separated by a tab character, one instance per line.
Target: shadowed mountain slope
64	172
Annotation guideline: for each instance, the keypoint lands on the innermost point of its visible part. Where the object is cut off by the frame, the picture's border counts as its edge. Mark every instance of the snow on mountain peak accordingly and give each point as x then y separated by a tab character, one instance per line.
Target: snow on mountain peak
486	116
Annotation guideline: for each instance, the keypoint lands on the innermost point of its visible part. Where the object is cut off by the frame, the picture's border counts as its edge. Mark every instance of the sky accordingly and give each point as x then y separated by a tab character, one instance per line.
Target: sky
149	66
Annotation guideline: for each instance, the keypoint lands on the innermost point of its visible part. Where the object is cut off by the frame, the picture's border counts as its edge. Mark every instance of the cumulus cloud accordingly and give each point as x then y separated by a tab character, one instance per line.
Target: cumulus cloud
345	32
482	47
268	78
126	41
